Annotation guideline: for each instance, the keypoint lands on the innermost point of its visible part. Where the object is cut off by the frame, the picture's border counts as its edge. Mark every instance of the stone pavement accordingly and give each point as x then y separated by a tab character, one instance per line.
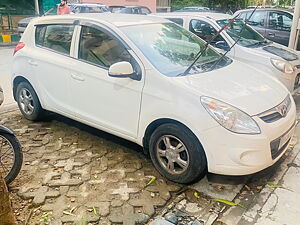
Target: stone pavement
74	174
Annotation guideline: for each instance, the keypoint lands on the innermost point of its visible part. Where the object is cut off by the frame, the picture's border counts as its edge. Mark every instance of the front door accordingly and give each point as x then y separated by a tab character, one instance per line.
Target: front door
108	102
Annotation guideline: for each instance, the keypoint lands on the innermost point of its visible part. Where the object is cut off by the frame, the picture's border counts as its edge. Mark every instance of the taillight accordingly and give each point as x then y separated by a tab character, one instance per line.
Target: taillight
19	46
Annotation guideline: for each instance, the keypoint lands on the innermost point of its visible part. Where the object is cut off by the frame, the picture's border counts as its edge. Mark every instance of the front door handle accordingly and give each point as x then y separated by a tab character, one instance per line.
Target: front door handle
77	77
271	34
32	63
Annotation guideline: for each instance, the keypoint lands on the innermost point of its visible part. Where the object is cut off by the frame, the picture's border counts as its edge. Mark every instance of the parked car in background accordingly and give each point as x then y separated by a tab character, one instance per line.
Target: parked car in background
253	49
130	9
74	8
273	24
137	77
193	9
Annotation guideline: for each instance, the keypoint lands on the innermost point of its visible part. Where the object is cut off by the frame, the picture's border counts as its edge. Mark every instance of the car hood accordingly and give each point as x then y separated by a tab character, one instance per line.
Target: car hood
239	85
275	50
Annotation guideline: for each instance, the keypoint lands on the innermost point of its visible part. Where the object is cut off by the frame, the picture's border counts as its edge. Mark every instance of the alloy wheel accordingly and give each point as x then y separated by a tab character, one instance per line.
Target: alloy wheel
26	101
172	154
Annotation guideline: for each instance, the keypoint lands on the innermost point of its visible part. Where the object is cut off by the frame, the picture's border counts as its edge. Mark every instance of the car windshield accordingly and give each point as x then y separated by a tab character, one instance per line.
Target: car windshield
172	49
249	37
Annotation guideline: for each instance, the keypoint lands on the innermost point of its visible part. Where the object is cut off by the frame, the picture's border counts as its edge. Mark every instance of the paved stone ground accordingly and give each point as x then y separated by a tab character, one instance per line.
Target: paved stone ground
74	174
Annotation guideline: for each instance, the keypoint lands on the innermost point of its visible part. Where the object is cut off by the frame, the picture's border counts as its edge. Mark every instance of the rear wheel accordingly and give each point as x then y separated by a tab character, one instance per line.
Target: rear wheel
28	102
11	157
177	154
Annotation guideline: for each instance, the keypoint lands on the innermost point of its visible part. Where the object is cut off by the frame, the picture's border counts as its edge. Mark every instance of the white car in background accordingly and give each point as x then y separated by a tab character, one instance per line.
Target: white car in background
253	49
128	75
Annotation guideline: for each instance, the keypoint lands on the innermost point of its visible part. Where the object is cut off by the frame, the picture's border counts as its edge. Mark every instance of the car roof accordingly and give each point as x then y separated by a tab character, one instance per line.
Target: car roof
128	6
215	16
118	21
85	4
267	9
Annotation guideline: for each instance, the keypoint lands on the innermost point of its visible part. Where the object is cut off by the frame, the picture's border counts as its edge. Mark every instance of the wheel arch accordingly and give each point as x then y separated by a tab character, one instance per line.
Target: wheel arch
17	80
158	122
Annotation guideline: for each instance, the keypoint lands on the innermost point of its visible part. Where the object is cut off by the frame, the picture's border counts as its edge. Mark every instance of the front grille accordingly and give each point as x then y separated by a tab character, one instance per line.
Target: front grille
275	151
278	112
271	117
283	140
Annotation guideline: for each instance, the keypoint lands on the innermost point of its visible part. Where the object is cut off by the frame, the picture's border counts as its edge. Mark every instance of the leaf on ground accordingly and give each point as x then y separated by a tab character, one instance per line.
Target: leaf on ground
274	186
151	181
196	194
95	210
68	213
228	202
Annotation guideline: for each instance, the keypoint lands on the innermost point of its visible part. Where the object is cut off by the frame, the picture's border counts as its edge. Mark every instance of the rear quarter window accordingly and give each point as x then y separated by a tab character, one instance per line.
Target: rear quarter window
57	37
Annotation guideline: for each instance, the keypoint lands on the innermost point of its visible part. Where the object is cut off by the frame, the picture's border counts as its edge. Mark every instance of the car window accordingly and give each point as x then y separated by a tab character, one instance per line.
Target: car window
257	19
280	21
57	37
243	16
101	48
204	30
145	10
135	11
179	21
116	9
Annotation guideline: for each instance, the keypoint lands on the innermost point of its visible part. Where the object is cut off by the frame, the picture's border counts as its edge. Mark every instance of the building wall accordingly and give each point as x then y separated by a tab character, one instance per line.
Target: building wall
151	4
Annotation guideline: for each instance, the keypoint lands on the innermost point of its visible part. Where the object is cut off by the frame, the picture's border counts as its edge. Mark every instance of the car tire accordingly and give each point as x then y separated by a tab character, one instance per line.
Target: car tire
29	103
177	153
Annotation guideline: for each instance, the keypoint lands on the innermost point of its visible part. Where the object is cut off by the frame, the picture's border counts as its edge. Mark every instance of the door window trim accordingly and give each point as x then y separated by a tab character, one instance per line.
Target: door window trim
111	33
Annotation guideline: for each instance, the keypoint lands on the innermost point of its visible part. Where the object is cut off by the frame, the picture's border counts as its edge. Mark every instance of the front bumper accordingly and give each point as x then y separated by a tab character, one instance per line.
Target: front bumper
238	154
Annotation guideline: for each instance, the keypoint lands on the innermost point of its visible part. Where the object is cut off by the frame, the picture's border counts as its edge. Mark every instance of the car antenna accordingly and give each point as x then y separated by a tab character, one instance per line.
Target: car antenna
199	54
236	41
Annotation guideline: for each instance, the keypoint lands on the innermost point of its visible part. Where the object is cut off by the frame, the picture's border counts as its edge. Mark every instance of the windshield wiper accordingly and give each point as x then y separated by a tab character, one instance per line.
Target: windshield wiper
257	44
199	54
236	41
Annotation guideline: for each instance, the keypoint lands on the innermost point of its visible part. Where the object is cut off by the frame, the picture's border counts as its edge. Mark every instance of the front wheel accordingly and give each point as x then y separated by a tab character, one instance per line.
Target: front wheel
177	154
11	157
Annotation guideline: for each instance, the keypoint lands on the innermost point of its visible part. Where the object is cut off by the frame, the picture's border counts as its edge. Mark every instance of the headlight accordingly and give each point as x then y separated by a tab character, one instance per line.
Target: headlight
230	117
283	66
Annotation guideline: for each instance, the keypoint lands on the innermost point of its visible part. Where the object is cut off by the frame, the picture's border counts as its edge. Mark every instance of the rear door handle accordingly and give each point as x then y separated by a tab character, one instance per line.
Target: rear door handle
32	63
77	77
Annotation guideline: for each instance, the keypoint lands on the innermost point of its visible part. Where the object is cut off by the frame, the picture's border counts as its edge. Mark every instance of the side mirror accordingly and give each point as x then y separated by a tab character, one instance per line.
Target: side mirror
122	70
222	45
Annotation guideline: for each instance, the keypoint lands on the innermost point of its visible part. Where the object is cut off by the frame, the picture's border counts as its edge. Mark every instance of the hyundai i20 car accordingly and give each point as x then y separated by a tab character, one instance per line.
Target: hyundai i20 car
142	78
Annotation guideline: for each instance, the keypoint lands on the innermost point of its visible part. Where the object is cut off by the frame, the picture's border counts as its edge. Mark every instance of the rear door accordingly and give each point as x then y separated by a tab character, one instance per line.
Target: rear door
279	27
51	63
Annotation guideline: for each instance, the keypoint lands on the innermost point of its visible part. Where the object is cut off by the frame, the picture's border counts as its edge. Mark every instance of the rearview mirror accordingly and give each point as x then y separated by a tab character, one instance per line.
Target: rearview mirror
122	70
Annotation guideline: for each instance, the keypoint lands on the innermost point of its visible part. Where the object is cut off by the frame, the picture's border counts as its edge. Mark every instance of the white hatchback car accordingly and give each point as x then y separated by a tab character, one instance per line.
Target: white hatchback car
253	49
127	75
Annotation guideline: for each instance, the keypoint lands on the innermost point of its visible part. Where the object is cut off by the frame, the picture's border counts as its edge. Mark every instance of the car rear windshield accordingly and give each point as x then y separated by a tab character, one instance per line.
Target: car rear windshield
249	37
172	49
